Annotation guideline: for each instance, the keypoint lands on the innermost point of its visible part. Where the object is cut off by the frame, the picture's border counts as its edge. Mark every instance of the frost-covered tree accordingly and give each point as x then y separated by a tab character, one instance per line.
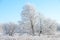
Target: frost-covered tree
34	23
30	19
58	27
41	23
49	27
9	28
1	30
25	27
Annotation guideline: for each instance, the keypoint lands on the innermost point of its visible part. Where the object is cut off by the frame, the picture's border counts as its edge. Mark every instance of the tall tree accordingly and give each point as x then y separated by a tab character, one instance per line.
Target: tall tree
31	18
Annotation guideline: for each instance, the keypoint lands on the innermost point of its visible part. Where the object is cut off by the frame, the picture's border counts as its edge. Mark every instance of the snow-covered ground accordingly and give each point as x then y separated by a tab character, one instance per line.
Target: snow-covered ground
30	37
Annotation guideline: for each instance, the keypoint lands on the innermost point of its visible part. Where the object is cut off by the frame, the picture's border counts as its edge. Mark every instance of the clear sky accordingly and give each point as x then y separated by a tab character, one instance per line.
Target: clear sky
10	9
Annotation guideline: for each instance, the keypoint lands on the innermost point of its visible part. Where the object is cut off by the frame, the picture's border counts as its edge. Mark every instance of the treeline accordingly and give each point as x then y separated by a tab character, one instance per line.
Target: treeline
32	23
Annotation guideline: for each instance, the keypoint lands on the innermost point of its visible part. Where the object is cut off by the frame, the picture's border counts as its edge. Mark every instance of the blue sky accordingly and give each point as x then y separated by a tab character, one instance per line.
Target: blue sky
10	9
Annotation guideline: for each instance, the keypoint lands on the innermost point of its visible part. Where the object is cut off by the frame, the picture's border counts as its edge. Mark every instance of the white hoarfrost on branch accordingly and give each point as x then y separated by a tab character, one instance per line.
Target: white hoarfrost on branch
34	23
49	27
31	20
9	28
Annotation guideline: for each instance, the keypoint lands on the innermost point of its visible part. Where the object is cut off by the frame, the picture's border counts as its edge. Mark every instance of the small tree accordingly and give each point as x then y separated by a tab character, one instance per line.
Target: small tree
49	27
9	28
